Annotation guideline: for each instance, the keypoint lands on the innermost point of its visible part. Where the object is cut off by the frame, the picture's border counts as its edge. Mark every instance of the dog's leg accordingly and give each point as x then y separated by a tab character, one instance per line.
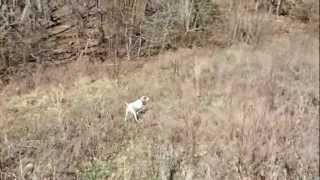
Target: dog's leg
141	111
139	120
135	116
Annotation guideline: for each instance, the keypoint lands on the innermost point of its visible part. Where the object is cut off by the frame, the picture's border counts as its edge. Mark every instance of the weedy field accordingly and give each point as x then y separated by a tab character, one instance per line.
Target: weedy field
243	112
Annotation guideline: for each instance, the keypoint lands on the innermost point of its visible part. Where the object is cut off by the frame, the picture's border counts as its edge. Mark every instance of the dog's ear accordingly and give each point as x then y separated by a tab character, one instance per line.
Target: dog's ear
145	98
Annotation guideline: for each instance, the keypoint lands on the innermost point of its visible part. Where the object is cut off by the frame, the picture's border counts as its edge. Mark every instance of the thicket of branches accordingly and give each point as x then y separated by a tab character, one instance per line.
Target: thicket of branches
58	31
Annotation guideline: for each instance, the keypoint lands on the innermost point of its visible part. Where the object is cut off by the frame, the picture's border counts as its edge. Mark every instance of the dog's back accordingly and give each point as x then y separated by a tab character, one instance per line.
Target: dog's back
136	105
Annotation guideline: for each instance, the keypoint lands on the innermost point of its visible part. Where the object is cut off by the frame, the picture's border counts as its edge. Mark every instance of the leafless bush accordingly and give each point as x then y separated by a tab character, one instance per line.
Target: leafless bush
245	25
307	11
174	22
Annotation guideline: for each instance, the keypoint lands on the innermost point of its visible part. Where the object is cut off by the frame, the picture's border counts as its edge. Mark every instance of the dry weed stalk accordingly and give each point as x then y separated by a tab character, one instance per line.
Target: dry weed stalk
58	99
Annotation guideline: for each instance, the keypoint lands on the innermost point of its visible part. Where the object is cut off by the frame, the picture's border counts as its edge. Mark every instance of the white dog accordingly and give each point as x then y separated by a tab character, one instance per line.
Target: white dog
136	106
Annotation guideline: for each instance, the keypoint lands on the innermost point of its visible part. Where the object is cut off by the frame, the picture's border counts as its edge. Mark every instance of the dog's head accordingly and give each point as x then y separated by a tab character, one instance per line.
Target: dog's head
144	99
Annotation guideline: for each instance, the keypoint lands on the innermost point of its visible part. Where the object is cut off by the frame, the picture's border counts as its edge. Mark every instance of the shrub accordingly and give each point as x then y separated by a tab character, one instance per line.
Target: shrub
96	170
173	21
306	11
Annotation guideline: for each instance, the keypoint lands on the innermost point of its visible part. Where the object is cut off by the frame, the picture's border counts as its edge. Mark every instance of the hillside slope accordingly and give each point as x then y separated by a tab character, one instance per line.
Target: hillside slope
234	113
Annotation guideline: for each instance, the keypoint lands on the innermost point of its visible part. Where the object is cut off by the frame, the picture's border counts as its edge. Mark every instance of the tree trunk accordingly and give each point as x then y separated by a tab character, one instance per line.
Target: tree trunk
26	11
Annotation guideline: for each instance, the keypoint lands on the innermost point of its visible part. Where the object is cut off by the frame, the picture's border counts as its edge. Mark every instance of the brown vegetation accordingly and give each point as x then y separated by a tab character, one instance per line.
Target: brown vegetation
234	89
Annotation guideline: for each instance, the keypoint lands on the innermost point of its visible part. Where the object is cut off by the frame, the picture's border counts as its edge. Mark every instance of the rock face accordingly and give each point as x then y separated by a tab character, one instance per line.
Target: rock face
98	29
55	32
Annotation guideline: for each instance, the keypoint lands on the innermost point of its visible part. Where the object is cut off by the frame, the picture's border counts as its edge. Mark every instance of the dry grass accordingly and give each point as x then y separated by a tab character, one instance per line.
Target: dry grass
244	113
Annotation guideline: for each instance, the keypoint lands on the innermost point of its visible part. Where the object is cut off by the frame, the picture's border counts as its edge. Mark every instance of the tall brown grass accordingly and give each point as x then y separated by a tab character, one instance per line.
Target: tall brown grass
250	113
